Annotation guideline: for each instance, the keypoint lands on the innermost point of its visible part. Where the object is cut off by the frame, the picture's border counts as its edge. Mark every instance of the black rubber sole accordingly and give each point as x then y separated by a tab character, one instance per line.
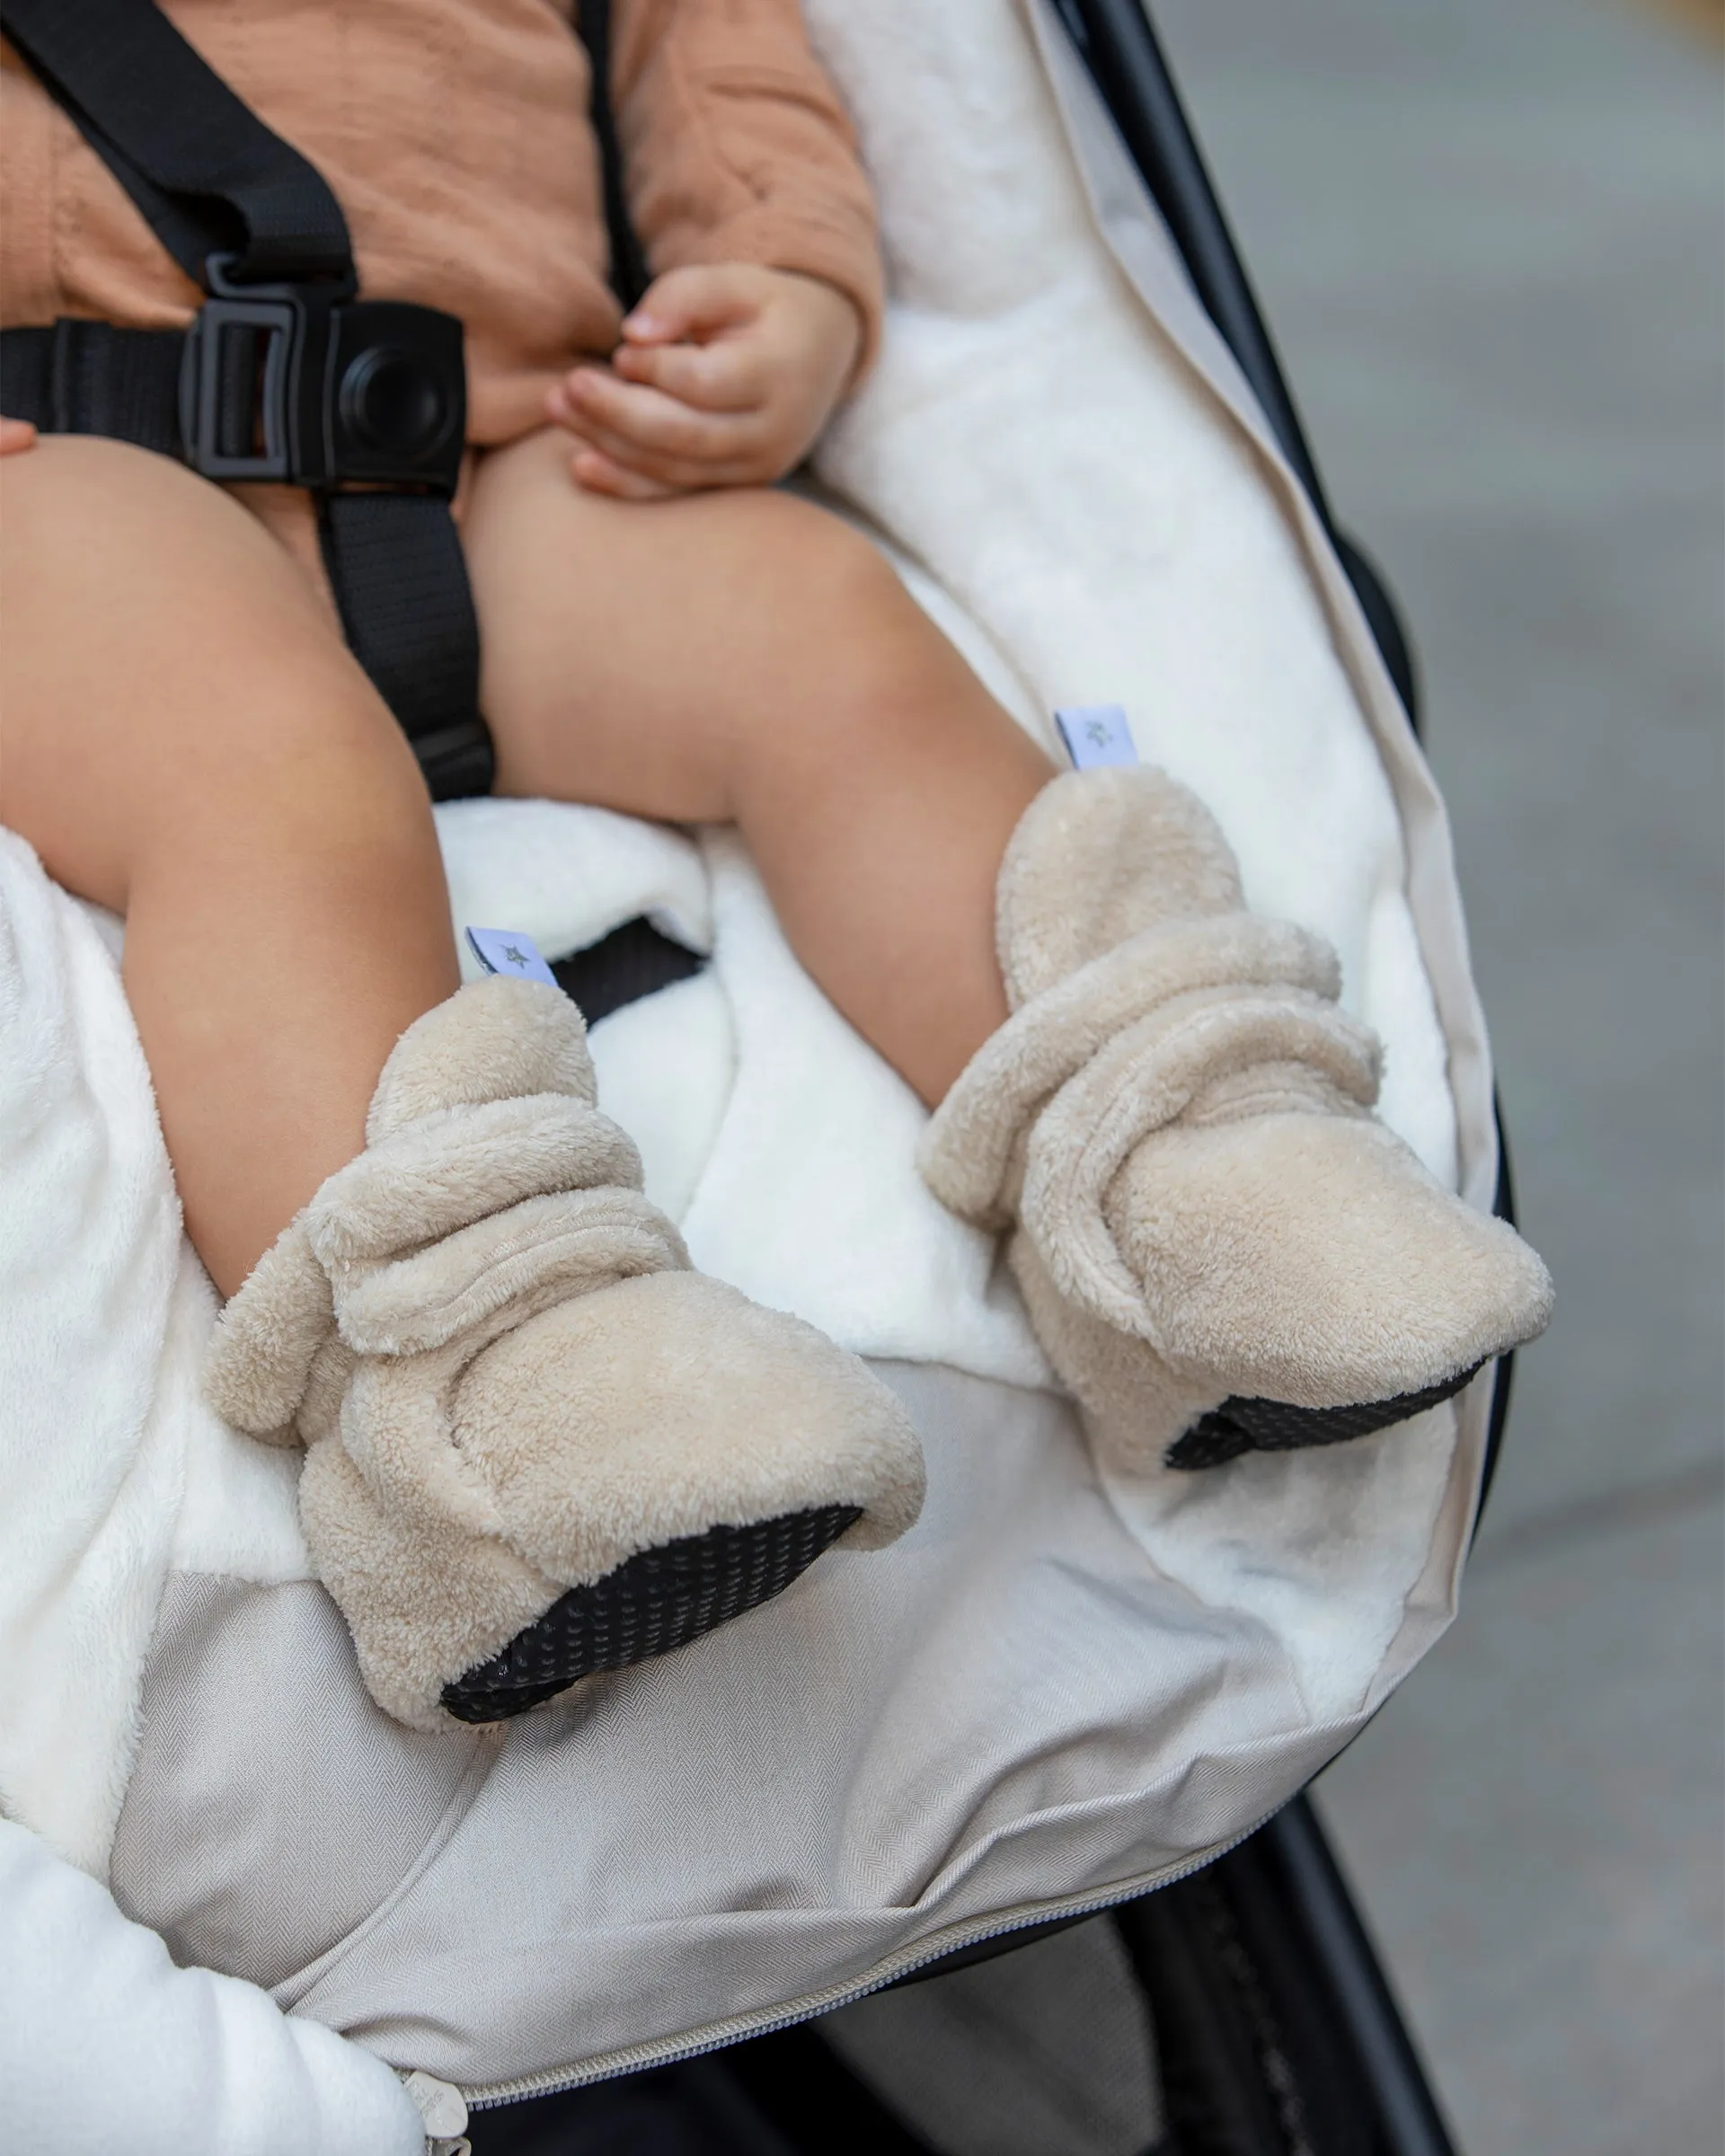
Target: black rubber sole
1272	1426
658	1600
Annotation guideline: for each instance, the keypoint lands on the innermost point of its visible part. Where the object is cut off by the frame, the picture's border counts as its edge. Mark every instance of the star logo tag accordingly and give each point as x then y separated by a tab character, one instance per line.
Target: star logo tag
1095	734
508	950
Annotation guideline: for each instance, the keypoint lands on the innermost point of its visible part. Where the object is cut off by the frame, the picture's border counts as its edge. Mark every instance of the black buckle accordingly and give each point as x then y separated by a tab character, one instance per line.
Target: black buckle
305	384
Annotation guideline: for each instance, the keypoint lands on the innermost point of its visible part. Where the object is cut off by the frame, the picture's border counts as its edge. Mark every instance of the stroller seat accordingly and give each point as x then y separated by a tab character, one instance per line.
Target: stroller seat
1063	1686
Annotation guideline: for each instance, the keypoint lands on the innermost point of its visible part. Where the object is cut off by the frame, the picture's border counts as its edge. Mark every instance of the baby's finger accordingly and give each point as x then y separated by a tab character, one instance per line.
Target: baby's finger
702	295
748	467
727	376
680	473
601	474
16	435
631	416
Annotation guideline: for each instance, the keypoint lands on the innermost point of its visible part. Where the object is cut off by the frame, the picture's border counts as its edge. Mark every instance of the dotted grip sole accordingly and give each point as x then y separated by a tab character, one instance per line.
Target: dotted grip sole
1272	1426
658	1600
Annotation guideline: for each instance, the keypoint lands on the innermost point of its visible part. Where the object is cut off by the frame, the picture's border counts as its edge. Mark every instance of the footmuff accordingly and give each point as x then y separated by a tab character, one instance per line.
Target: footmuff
539	1446
1077	1675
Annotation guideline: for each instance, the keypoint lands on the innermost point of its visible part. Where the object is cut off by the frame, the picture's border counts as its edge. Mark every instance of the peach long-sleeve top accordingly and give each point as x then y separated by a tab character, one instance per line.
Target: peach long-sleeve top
457	136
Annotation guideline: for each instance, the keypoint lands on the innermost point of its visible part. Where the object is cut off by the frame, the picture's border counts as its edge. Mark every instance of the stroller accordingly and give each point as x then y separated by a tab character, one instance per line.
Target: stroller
1134	1792
1271	2027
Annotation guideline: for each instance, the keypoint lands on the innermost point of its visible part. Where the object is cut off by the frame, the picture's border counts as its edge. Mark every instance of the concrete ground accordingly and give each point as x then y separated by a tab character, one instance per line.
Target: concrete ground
1489	237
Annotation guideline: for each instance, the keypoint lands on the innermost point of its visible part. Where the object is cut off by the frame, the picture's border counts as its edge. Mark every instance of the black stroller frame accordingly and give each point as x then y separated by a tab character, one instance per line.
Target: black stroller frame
1276	2028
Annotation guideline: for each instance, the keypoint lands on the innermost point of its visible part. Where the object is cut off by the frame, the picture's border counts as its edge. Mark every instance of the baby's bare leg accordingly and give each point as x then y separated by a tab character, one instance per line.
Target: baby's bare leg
744	657
188	742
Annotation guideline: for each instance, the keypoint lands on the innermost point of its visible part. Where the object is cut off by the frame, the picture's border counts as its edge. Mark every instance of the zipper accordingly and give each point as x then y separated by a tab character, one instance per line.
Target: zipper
766	2022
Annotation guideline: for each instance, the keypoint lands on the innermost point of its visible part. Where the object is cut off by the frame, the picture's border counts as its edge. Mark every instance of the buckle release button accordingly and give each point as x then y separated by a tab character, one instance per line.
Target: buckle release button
395	403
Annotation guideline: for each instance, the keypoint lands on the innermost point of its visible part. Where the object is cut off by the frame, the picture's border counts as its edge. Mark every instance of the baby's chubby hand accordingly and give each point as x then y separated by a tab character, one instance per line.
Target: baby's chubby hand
725	376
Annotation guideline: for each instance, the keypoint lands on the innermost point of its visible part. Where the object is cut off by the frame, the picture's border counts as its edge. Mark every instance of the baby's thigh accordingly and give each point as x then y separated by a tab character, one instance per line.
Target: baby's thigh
634	651
159	644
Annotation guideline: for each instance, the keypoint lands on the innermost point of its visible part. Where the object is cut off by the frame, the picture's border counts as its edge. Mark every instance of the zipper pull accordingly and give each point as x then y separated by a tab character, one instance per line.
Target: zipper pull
444	2110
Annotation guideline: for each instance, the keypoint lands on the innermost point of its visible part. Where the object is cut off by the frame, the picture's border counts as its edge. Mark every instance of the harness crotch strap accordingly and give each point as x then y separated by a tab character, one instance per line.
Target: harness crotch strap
285	375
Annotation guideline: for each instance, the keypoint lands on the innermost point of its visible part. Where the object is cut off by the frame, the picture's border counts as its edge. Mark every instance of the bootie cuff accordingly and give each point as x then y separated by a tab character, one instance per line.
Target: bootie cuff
1098	857
968	1148
457	1165
480	1280
376	1255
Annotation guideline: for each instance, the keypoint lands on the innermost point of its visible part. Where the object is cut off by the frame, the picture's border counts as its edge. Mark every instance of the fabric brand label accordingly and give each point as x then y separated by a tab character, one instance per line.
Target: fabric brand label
1095	734
508	950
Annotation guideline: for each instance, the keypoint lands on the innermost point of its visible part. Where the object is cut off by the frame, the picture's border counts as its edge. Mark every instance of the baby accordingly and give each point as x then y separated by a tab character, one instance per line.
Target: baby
538	1443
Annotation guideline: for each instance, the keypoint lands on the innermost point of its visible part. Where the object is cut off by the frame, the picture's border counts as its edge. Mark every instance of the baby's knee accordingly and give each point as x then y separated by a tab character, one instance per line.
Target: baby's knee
816	559
87	522
64	477
146	609
844	624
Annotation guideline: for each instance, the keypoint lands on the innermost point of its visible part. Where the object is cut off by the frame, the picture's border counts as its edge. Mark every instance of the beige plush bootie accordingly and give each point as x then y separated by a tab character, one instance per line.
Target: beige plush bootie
538	1445
1220	1247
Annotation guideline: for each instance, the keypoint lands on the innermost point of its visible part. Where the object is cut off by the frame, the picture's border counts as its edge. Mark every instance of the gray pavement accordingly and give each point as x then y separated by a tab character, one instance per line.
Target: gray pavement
1490	240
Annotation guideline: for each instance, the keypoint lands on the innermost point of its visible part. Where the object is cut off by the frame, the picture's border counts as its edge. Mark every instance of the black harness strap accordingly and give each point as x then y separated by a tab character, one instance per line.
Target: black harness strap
88	377
385	556
284	376
202	167
630	275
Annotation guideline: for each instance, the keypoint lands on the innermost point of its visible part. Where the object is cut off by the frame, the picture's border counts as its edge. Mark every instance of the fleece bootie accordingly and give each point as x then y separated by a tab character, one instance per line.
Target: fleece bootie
1220	1247
538	1445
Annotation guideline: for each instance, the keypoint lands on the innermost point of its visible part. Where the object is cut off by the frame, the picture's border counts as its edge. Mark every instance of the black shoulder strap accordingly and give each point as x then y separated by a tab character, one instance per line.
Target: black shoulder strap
630	275
200	166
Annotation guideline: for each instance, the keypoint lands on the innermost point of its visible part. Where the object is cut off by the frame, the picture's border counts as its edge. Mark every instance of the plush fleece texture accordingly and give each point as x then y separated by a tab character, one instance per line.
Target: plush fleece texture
507	1378
1178	1117
106	2045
